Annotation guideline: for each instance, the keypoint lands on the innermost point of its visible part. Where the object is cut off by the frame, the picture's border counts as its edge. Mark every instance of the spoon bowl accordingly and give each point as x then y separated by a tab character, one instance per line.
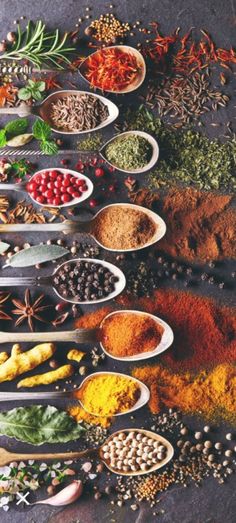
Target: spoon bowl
154	146
158	221
140	77
166	339
149	434
44	110
142	400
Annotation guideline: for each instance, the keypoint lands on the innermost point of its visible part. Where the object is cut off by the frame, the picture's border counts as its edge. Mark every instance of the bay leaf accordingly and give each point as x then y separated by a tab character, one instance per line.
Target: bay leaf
38	424
36	254
20	140
4	247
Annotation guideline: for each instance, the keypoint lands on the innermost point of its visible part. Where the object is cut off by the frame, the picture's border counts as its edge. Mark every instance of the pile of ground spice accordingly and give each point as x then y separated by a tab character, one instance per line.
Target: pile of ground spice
120	227
211	394
204	332
130	333
81	415
200	225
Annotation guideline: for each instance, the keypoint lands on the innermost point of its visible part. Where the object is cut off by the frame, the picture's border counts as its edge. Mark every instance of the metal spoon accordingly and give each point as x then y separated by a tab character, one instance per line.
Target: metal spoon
88	227
21	187
93	336
7	457
19	396
44	110
37	281
128	49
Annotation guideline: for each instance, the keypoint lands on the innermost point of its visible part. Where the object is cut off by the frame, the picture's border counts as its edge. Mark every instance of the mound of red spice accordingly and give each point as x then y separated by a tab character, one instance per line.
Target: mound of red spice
204	332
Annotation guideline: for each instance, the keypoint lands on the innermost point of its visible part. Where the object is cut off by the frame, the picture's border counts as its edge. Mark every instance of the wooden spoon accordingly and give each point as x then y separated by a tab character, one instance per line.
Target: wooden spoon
6	457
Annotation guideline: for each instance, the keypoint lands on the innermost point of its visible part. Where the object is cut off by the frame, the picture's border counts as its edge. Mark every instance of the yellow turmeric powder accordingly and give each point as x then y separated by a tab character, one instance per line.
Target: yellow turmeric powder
108	394
80	414
211	393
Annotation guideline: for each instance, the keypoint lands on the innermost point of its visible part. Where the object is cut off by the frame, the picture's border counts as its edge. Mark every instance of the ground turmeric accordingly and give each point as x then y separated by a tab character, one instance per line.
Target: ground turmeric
108	394
211	393
47	377
80	414
20	362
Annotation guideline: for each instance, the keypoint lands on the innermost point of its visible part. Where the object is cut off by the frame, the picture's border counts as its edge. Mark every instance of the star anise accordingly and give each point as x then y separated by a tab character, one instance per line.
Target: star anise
3	298
29	310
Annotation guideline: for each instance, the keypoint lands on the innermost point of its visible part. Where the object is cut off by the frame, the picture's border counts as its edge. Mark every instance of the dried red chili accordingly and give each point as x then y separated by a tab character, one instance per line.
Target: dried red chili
112	69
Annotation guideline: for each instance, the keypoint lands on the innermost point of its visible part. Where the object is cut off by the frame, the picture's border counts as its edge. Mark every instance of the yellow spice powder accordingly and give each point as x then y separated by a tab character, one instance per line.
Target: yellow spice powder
108	394
81	415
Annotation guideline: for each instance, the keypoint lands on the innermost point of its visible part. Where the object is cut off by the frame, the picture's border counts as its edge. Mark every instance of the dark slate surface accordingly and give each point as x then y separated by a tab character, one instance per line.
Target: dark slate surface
211	503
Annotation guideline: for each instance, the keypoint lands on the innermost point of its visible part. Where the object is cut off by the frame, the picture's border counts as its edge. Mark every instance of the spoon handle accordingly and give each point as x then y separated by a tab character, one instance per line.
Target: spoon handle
12	456
12	187
77	336
19	396
21	110
66	227
28	281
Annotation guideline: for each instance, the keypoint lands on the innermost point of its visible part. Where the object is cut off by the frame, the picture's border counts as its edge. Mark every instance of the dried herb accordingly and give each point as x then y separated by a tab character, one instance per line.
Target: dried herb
92	143
186	157
19	168
29	310
129	152
39	424
39	47
36	255
3	298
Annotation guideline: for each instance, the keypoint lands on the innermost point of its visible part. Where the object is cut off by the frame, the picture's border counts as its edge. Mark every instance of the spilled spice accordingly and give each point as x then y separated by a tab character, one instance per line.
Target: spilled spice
200	225
80	414
204	332
212	393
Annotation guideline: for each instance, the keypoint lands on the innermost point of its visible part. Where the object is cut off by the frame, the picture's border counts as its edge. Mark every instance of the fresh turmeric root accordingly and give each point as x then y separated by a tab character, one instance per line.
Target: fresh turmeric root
75	355
48	377
3	357
20	362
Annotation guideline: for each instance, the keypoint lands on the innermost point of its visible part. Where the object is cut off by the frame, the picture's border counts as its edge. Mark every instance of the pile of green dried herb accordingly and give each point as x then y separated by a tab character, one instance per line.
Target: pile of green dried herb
187	157
129	152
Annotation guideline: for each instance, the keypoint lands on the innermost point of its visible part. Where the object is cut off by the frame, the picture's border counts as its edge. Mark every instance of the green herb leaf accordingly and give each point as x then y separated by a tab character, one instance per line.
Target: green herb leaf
39	424
36	95
3	139
36	254
24	93
41	130
49	147
40	86
16	127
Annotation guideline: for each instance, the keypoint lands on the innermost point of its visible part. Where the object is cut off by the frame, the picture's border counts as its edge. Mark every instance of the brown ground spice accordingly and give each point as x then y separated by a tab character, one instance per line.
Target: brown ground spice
200	225
123	228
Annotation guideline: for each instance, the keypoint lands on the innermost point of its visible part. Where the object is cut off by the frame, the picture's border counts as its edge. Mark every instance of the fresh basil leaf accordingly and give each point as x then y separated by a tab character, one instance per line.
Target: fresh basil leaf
38	424
24	93
40	86
36	95
3	139
36	254
49	147
16	127
41	130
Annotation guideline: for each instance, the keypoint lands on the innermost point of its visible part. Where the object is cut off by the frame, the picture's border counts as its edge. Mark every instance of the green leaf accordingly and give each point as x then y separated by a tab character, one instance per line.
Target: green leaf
36	254
41	130
31	83
3	139
49	147
4	247
40	86
36	95
16	127
24	93
39	424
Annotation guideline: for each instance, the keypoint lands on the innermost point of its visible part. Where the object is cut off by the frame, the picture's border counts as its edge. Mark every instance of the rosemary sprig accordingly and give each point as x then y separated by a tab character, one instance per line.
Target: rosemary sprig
39	47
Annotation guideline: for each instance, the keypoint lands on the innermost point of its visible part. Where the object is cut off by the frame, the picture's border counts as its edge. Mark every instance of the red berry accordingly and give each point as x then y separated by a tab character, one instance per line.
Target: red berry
70	189
42	188
45	175
63	189
57	191
65	198
64	161
34	195
56	201
49	193
80	166
73	180
53	175
50	185
93	202
66	182
111	188
32	186
40	199
99	172
58	182
80	182
76	194
83	188
50	201
37	179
